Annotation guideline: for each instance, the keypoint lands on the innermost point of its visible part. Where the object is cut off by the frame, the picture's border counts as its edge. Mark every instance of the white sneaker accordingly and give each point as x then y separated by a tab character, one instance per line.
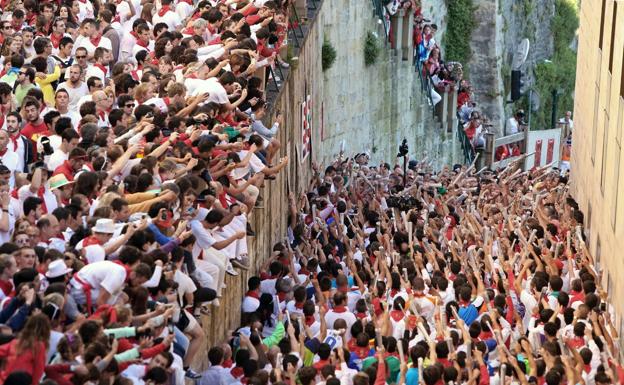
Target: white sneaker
230	270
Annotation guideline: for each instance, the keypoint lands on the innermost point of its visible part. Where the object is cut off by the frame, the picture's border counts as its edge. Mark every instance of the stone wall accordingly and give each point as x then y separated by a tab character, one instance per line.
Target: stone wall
502	24
368	108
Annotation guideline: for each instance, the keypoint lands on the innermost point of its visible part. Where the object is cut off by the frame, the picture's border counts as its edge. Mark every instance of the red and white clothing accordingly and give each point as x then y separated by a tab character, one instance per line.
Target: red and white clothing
90	44
168	16
98	70
94	277
93	249
10	159
340	312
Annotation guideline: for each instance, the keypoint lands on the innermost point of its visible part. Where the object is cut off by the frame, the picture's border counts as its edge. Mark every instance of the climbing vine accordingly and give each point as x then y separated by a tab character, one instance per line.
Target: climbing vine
371	49
328	55
560	73
461	23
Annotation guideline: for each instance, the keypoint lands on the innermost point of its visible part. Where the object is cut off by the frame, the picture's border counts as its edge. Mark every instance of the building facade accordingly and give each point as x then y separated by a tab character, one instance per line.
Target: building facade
597	180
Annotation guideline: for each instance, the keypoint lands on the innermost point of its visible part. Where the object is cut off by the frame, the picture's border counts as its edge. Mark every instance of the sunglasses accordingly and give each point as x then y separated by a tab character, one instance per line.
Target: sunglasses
129	105
81	57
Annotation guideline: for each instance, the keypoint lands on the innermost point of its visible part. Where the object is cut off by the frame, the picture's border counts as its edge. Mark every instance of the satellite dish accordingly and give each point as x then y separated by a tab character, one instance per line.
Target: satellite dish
521	54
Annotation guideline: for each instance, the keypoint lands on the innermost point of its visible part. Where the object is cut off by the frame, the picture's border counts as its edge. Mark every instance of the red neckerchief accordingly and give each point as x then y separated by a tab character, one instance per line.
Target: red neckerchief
90	241
6	287
339	309
281	296
55	39
298	305
253	294
464	303
102	115
397	315
237	372
167	100
40	193
188	31
101	67
191	76
95	40
361	315
393	292
189	2
309	320
139	41
163	10
342	289
4	152
211	29
126	267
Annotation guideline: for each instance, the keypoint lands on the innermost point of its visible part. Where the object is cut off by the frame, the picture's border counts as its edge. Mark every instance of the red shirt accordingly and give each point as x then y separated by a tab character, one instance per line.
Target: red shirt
65	169
34	132
31	361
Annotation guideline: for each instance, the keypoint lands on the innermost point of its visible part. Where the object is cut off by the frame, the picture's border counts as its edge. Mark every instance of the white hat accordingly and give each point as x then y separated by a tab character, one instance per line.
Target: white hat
104	225
57	268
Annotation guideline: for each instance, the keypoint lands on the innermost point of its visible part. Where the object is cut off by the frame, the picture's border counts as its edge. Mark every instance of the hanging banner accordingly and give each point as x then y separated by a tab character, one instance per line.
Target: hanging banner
306	128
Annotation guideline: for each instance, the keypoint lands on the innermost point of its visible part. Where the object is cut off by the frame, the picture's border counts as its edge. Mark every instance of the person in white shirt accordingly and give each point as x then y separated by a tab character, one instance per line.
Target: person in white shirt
340	311
206	250
515	122
90	38
7	215
74	86
8	157
102	282
99	69
166	14
69	140
61	103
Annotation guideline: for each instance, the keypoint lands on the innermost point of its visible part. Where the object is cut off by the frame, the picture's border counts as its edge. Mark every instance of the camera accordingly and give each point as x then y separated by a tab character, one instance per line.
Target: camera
403	149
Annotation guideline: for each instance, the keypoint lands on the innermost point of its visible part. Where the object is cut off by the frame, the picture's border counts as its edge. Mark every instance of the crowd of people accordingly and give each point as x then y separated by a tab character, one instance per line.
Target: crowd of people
134	148
454	277
132	155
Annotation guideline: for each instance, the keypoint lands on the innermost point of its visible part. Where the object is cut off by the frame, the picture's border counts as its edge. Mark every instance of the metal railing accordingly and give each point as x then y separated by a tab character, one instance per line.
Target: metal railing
466	146
380	12
426	84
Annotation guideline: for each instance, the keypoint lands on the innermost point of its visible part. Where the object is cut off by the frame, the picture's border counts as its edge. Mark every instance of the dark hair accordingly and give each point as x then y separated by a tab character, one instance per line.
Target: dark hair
30	204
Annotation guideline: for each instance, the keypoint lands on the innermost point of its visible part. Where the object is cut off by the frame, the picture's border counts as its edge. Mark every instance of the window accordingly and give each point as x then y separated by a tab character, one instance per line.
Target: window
595	124
605	146
602	20
598	254
612	42
616	184
622	77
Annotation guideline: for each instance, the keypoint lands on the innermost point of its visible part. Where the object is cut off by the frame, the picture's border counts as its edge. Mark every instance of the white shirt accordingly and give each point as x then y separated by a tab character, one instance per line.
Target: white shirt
170	18
105	275
11	161
75	94
48	197
331	317
86	43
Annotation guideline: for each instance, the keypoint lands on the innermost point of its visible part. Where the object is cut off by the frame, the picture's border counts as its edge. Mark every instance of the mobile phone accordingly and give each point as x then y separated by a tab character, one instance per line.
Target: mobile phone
163	216
170	327
111	338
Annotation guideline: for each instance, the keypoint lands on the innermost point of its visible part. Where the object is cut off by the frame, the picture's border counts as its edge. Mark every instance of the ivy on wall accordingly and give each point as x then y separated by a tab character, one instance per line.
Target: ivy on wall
371	49
560	73
328	55
461	23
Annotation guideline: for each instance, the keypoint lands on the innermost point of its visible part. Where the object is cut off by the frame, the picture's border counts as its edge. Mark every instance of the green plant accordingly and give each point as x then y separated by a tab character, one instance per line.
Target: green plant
560	73
461	23
371	49
328	55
